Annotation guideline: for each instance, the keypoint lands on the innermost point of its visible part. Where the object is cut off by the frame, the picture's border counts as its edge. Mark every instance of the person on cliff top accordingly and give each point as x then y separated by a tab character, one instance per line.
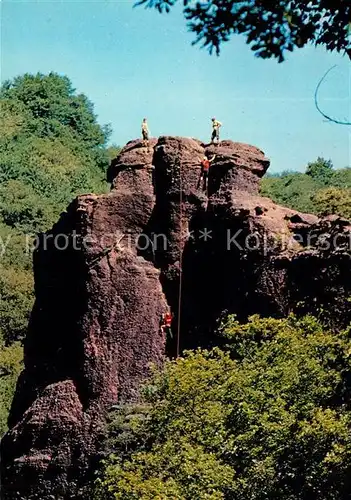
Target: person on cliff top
145	132
216	125
166	323
205	168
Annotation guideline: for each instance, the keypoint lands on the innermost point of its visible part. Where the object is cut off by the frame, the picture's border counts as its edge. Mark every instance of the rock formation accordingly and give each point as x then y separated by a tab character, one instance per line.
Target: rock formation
109	268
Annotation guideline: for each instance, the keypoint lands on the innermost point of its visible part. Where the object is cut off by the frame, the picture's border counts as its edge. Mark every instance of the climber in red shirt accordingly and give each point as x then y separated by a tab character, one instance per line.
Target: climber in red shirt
205	167
166	323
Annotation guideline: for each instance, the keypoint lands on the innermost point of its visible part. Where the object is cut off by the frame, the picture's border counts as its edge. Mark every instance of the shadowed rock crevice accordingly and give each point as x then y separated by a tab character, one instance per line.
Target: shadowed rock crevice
95	326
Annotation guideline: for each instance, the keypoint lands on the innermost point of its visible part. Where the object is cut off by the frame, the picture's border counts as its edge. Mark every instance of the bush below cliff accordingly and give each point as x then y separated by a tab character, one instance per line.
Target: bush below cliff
267	417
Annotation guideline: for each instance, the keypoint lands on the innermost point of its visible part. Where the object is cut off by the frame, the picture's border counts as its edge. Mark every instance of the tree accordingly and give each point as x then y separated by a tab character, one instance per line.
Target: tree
321	190
113	151
293	189
51	149
321	170
271	28
55	108
333	200
269	417
341	178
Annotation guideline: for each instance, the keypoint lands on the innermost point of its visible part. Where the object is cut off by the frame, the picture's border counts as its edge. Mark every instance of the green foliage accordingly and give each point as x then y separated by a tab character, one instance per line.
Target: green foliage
267	418
293	190
56	110
271	28
333	201
22	208
113	151
10	367
320	190
321	170
16	286
51	149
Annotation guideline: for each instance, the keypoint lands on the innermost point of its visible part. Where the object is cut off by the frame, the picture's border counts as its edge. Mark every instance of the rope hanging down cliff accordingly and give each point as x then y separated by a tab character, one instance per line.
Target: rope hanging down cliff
180	256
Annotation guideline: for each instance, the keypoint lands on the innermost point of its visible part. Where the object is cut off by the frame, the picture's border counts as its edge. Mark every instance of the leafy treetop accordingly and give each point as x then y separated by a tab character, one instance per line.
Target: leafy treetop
321	189
51	149
321	170
55	108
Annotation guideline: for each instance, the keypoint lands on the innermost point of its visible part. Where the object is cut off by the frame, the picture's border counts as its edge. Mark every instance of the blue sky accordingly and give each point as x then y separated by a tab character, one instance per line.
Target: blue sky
134	63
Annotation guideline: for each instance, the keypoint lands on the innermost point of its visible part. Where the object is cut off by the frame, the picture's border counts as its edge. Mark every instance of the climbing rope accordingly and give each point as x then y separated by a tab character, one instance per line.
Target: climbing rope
208	179
180	257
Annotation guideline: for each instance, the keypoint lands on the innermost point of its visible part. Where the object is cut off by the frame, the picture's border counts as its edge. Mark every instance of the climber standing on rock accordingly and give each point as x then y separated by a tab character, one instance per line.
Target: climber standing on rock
145	132
205	168
216	125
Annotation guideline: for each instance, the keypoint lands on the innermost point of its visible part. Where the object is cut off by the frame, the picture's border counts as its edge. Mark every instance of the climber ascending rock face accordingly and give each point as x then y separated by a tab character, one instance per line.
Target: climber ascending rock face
114	264
205	170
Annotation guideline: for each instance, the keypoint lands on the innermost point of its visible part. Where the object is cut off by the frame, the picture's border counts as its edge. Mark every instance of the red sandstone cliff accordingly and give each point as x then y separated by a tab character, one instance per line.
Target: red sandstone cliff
108	269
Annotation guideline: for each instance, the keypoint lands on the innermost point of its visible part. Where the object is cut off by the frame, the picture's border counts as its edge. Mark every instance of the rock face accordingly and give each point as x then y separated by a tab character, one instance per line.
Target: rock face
111	266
